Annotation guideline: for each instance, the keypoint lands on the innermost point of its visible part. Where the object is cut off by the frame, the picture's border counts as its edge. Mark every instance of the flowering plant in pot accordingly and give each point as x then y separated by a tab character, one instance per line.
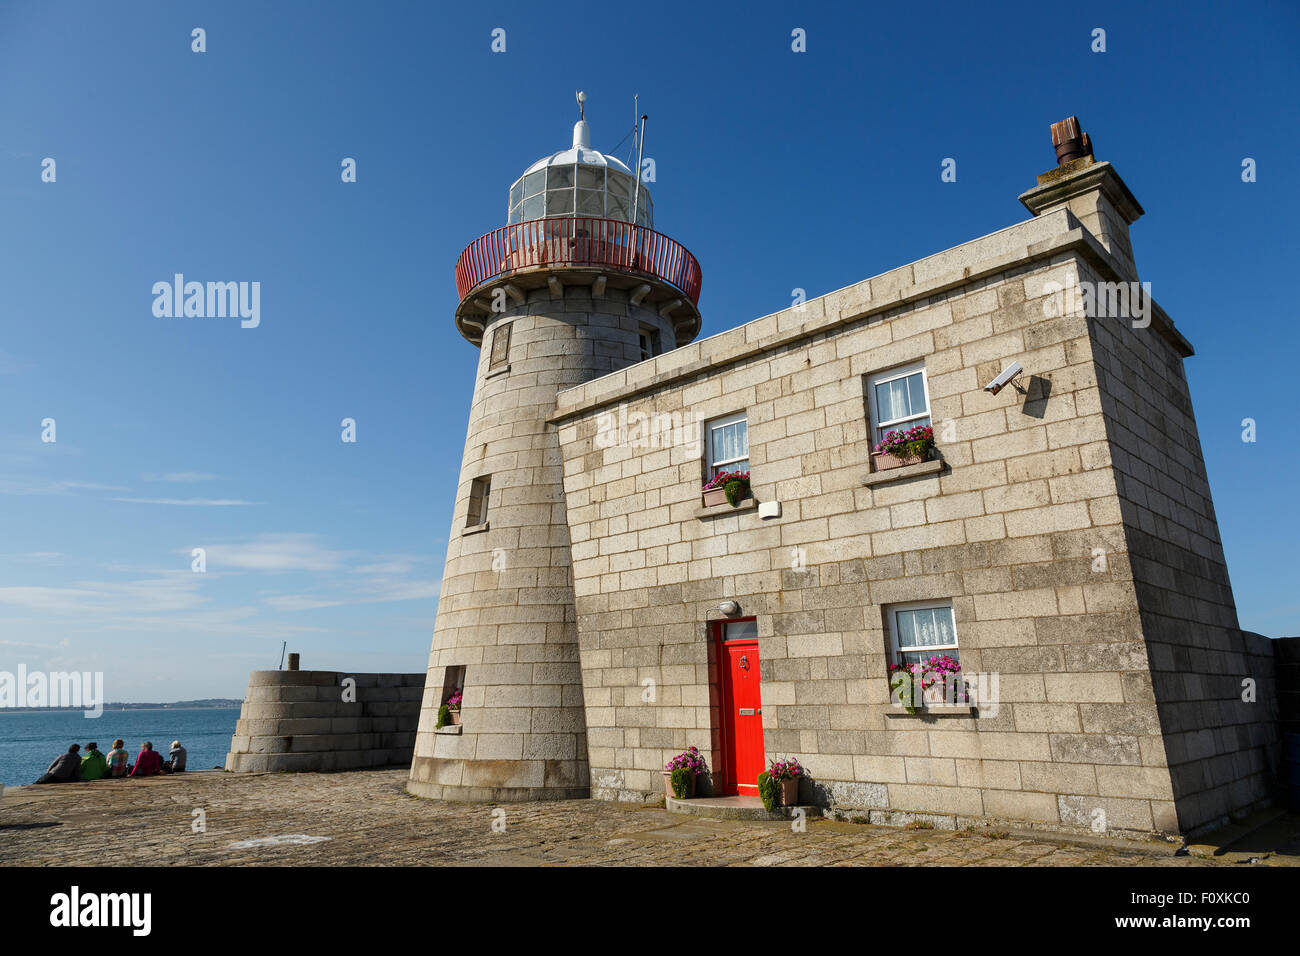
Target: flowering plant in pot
729	486
908	447
453	705
786	774
927	681
680	773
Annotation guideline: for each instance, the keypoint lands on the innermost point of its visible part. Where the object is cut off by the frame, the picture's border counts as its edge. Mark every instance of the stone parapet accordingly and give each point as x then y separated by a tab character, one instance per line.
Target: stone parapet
316	721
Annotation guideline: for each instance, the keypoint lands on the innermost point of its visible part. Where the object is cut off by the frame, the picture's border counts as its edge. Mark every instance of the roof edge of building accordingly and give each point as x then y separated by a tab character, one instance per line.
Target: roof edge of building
1033	240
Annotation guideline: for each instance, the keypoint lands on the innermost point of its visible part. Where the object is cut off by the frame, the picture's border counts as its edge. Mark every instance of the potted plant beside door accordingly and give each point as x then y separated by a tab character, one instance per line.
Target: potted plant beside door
680	774
786	774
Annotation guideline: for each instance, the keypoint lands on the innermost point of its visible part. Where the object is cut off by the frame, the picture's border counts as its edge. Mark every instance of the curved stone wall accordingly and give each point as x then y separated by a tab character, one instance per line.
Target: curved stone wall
299	720
505	611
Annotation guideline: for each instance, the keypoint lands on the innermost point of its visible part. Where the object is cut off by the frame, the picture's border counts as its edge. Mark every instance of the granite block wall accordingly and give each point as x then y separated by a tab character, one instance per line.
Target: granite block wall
505	611
1022	526
300	720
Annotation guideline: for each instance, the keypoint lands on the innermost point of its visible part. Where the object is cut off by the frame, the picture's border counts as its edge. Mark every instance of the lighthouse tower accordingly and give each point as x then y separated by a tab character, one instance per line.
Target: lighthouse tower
578	284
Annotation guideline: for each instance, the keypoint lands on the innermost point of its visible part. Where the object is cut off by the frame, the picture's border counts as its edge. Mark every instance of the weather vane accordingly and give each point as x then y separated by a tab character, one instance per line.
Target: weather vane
582	98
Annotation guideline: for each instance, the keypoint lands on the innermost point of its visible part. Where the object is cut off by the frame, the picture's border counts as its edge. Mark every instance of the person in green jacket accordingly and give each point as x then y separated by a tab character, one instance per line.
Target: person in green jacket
93	764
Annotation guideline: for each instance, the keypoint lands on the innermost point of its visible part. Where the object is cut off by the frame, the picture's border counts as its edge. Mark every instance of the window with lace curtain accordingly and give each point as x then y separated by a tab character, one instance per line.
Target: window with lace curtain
898	400
921	631
727	441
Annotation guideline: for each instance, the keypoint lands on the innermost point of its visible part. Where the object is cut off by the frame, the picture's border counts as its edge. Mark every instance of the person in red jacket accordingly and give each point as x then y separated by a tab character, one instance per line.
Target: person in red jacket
148	763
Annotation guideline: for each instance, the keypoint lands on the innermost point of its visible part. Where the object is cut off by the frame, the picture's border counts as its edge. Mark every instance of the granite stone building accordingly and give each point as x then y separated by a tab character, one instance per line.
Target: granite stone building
1061	542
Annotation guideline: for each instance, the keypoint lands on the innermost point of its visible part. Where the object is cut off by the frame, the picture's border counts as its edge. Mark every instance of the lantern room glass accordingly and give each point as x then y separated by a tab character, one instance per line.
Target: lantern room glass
582	189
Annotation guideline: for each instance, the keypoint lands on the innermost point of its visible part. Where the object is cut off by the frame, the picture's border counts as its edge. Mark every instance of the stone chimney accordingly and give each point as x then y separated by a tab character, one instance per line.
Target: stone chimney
1091	190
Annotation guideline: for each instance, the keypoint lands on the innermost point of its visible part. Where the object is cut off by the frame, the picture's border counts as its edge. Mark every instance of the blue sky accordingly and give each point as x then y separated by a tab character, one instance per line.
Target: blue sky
778	170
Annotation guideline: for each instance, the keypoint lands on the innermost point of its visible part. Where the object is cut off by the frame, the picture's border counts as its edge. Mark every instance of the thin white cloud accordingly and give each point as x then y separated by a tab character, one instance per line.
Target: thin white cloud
44	486
35	644
274	552
49	558
378	591
300	602
391	564
196	502
181	476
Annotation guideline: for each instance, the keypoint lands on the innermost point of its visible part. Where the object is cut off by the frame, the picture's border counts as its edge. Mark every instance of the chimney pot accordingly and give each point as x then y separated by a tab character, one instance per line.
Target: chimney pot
1070	141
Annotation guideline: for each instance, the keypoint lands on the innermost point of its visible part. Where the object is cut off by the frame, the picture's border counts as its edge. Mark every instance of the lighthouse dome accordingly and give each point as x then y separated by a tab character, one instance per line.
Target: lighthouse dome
579	181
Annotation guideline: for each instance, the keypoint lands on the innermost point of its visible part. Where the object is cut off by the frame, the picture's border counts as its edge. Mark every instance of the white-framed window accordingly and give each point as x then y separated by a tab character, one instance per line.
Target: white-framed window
726	442
898	400
922	630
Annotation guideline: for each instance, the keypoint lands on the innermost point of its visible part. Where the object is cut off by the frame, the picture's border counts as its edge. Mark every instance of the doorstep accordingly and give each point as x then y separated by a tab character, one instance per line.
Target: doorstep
735	808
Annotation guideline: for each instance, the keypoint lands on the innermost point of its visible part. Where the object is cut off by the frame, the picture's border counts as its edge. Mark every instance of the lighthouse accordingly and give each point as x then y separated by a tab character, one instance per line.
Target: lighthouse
577	284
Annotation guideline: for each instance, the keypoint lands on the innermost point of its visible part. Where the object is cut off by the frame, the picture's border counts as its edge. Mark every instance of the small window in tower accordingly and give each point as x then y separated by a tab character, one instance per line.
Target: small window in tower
727	441
648	337
453	691
500	346
480	490
517	193
535	183
591	177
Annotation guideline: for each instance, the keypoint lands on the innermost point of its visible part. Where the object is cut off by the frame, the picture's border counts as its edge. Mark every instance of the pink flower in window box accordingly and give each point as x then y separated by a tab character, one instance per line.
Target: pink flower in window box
900	448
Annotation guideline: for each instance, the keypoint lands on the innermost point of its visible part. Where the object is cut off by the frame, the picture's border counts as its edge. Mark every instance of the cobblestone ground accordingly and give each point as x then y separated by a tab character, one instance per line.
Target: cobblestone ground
370	820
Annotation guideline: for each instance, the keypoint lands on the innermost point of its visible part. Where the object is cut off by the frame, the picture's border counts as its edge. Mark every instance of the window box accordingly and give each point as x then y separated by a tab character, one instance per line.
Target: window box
932	466
717	495
888	462
932	710
909	447
724	509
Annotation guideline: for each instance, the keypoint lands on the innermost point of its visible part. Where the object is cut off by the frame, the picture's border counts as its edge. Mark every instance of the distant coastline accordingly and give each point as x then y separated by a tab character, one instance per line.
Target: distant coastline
214	703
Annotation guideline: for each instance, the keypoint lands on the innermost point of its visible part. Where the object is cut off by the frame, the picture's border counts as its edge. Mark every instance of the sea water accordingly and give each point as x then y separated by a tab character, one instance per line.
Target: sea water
30	740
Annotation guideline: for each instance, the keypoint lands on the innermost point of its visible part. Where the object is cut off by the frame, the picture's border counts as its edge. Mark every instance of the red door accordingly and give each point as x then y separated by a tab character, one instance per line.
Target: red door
742	714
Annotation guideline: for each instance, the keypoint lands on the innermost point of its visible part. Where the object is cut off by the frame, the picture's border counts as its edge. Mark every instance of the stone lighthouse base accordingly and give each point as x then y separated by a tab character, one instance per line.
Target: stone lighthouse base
499	781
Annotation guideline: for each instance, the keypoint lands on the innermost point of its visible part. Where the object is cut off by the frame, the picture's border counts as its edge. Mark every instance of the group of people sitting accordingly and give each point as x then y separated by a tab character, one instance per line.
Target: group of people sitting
94	765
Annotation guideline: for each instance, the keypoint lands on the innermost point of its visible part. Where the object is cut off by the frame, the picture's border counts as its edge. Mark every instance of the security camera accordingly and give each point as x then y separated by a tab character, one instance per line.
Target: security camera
1005	377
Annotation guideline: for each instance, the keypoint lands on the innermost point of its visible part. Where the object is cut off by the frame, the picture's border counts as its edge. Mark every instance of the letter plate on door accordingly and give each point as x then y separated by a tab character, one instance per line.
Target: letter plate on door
747	712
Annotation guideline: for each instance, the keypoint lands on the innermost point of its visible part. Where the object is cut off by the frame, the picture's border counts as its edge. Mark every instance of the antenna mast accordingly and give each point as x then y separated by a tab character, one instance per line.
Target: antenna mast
640	147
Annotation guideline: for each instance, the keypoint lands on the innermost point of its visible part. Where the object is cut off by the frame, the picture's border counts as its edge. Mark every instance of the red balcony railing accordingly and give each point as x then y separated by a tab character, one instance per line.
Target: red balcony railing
576	241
